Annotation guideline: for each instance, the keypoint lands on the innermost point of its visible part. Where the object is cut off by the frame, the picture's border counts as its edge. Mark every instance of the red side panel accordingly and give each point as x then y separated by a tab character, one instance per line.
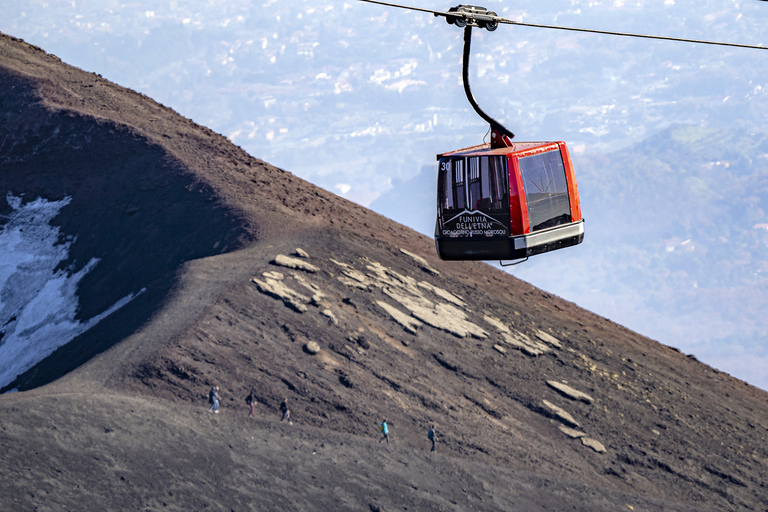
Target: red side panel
570	177
518	208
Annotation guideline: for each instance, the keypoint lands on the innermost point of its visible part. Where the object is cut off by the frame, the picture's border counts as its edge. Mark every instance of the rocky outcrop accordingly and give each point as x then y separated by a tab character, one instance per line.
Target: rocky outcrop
274	286
560	414
352	277
317	294
525	344
425	266
408	323
594	444
425	302
294	263
548	338
569	392
330	316
443	294
571	432
438	315
498	324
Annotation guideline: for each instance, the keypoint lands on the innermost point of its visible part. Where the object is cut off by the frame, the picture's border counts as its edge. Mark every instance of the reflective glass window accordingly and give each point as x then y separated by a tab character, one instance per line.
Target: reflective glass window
546	190
474	183
459	197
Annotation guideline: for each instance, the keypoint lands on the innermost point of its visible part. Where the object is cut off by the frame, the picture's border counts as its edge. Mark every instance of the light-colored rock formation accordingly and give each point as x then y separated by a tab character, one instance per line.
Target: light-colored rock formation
352	283
548	338
570	432
301	253
443	294
386	277
294	263
525	344
408	323
311	347
340	263
560	414
500	349
352	277
331	317
498	324
424	264
569	392
440	315
594	444
445	313
317	294
276	288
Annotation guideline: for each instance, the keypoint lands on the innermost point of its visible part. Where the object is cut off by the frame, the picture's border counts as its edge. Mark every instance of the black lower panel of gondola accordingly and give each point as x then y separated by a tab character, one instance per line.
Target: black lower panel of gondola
507	248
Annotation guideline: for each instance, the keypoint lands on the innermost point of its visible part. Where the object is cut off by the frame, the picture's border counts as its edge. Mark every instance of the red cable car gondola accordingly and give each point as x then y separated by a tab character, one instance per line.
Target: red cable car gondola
503	200
505	203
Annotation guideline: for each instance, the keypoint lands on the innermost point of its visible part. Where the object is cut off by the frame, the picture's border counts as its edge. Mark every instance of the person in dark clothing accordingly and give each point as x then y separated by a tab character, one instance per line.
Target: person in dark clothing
432	436
286	411
384	431
213	399
251	401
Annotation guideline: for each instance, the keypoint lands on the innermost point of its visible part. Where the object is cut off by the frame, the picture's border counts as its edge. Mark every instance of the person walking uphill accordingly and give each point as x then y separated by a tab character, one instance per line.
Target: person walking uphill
251	400
432	436
286	411
213	399
384	431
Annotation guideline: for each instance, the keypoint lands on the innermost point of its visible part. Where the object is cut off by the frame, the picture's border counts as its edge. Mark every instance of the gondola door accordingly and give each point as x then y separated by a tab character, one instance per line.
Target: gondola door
473	206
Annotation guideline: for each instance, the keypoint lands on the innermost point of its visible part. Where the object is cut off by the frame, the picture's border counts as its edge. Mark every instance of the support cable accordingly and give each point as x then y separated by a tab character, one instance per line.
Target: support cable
486	18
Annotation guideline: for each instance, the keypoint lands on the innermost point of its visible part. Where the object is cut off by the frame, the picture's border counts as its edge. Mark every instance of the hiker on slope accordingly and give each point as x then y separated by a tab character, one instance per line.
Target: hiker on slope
213	399
286	411
432	436
251	401
384	431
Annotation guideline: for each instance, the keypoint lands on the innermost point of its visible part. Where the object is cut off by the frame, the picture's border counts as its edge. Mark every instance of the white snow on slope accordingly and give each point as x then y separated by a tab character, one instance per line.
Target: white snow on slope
38	303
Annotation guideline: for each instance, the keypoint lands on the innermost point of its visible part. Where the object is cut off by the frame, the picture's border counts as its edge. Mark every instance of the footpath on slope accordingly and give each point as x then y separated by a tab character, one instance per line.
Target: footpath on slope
93	451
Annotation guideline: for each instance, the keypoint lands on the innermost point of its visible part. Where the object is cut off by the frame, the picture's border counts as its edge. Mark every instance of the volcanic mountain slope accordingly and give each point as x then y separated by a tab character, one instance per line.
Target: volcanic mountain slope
244	276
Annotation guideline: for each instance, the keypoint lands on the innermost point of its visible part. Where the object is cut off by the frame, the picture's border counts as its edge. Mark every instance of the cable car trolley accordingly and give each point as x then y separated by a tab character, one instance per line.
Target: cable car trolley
508	200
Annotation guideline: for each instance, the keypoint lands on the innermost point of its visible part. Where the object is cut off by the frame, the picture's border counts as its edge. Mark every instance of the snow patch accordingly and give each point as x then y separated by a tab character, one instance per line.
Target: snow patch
38	303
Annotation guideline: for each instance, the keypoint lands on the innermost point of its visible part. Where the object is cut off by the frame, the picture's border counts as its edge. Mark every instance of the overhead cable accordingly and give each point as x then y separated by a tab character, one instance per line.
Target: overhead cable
469	16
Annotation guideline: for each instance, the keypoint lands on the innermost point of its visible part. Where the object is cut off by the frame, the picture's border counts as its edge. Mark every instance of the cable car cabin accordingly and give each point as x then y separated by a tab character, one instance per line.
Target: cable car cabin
506	203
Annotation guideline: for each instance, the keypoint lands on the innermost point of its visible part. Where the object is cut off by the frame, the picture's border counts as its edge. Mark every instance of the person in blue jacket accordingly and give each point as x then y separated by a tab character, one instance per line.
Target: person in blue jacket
384	431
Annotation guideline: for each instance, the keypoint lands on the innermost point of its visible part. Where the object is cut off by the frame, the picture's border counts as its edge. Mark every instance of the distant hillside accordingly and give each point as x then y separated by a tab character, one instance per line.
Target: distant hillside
412	202
215	268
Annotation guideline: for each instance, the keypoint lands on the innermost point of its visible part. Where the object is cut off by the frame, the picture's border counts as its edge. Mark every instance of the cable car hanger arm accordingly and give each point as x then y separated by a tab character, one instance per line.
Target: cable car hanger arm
480	17
498	132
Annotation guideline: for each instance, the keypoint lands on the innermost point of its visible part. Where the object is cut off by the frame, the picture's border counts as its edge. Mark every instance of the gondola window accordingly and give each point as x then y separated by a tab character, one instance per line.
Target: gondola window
546	190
